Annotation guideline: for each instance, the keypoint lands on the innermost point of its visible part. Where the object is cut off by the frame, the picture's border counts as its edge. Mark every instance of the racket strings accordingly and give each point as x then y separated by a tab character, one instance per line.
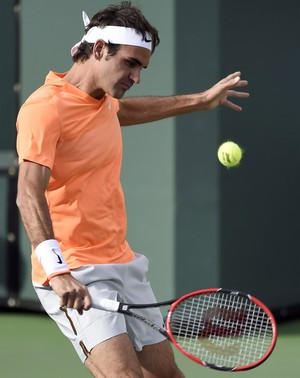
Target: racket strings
222	329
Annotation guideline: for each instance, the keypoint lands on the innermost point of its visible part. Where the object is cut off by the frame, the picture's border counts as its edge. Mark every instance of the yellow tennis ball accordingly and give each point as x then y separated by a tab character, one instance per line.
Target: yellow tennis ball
230	154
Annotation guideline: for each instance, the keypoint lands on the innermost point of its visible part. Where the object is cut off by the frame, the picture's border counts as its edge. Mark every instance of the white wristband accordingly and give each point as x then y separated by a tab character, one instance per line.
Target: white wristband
50	256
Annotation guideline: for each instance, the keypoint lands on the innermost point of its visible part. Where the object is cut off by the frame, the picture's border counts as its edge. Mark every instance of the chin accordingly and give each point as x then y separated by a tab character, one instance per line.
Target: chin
117	94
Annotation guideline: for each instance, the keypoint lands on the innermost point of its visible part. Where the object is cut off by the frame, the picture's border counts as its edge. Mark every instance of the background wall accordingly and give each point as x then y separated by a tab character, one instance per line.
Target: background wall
10	72
200	224
240	228
198	63
267	202
9	104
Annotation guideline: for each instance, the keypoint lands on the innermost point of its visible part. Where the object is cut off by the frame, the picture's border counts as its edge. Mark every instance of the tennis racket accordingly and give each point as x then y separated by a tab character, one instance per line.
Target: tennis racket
217	328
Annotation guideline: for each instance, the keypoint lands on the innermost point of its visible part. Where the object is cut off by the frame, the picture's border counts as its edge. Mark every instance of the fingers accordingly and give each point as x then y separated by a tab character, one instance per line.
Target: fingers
231	79
78	298
233	76
234	80
232	106
72	293
232	93
82	304
87	302
220	92
242	83
236	94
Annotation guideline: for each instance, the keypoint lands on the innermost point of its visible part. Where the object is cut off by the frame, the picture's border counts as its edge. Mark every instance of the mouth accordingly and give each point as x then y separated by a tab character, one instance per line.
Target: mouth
127	86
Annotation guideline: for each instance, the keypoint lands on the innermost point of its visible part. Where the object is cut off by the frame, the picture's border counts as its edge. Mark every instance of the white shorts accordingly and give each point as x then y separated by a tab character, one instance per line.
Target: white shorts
123	282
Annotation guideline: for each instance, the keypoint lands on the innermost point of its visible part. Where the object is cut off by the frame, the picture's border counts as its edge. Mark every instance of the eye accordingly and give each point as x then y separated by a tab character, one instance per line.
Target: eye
131	63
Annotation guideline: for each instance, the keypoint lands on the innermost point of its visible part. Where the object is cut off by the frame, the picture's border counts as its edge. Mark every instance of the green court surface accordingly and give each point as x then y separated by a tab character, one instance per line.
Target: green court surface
33	347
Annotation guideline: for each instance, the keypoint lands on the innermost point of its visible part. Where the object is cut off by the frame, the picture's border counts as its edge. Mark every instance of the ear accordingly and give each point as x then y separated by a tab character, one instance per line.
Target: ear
98	49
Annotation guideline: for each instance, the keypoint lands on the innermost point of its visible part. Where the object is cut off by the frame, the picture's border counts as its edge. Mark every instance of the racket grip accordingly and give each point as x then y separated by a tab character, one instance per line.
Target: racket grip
106	304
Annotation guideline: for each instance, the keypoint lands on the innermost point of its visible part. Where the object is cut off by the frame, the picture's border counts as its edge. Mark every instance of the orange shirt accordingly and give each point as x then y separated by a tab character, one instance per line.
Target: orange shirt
79	139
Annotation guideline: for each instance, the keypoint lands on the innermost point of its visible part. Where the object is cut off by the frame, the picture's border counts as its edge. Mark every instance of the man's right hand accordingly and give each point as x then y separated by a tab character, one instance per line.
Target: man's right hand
73	294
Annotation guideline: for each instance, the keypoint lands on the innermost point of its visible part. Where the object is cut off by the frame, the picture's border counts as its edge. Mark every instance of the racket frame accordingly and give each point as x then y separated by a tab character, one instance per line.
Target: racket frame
125	308
231	292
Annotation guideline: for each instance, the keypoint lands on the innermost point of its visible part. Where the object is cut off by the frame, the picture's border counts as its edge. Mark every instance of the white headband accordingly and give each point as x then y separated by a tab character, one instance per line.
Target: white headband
113	34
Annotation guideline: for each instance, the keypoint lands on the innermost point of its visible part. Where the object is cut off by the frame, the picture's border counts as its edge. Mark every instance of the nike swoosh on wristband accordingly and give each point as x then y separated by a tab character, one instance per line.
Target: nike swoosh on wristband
59	259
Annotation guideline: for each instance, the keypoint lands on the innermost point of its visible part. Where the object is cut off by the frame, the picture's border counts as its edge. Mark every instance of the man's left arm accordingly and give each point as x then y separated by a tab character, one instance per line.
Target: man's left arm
138	110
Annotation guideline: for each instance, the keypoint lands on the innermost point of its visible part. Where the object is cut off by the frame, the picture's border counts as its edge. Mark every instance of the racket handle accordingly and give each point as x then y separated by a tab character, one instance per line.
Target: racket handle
106	304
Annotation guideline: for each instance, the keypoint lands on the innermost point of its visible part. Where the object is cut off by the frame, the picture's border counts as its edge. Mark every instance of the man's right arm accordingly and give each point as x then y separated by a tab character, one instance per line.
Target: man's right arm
32	183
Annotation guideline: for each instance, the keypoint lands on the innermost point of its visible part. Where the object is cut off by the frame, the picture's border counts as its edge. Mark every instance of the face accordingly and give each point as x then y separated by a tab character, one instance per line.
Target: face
116	74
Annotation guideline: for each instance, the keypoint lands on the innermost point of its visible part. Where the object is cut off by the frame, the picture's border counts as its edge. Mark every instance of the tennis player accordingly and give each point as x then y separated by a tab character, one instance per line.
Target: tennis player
70	197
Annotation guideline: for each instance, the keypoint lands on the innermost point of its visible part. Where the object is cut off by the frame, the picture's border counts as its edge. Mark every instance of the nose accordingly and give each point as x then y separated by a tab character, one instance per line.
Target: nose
135	76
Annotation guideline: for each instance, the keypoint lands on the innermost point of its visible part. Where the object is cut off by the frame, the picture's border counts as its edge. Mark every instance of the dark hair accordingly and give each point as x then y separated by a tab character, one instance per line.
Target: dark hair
125	15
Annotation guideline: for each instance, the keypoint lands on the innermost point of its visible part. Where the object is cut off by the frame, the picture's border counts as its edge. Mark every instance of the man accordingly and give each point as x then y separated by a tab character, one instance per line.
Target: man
70	197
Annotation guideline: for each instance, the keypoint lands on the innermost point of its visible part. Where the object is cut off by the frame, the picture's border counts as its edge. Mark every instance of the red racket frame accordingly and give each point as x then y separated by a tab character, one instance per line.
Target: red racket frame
215	290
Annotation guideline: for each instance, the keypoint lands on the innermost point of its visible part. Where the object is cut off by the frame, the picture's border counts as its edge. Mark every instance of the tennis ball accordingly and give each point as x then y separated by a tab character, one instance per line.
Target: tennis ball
230	154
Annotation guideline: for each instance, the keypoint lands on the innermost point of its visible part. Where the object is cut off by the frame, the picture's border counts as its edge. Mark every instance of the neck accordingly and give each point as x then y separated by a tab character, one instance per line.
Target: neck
79	76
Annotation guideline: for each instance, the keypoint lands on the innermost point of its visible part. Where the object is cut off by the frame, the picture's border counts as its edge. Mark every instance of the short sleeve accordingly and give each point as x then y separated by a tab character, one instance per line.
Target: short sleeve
38	131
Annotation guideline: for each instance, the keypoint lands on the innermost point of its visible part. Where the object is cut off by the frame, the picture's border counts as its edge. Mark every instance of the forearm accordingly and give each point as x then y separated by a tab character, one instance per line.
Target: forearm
32	183
35	216
137	110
